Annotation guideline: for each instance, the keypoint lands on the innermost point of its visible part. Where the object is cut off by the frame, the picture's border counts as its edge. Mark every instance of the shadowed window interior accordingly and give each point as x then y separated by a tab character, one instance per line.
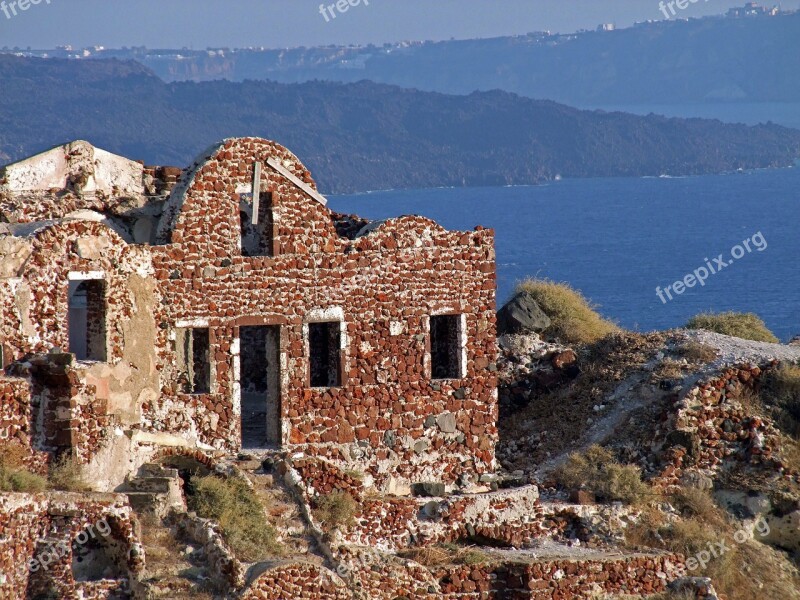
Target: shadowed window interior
192	346
324	341
96	556
446	347
87	319
257	238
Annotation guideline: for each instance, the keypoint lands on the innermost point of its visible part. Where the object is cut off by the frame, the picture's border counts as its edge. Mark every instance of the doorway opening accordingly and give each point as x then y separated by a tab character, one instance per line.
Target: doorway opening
260	382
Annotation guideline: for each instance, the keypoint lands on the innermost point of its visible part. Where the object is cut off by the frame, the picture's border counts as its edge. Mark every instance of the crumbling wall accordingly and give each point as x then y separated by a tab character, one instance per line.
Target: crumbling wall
299	581
710	426
388	415
43	536
18	426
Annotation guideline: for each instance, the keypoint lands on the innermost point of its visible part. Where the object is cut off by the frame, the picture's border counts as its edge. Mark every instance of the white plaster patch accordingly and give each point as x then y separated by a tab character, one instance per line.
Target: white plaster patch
86	275
199	322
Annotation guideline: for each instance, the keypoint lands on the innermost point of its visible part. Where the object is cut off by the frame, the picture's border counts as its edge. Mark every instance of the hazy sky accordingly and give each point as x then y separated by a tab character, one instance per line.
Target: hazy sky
286	23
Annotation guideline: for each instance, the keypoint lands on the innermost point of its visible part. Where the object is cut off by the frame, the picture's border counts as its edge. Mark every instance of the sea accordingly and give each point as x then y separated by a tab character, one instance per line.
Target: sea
620	240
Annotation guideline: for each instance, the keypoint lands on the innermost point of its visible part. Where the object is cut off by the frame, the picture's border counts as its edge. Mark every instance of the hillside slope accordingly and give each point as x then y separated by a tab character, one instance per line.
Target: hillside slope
364	136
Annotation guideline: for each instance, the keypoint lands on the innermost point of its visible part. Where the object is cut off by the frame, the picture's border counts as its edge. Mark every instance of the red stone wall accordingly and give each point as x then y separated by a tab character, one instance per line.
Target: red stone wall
298	581
32	524
55	252
721	428
385	284
389	417
17	423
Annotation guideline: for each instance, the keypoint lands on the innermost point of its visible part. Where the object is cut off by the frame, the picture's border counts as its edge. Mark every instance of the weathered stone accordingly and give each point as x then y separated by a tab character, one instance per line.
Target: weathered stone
446	422
521	314
428	489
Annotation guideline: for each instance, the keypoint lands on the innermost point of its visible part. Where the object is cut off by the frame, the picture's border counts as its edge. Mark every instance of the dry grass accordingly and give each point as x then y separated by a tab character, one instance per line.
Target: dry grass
445	554
780	389
742	572
21	480
747	326
696	352
336	510
235	506
685	595
13	476
699	504
597	471
669	369
65	476
574	318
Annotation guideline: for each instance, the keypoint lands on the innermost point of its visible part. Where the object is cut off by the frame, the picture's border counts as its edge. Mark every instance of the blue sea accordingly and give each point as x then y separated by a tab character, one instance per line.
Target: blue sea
619	239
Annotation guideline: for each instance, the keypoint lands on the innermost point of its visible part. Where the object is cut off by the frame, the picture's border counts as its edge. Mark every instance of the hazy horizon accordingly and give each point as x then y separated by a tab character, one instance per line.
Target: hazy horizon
200	24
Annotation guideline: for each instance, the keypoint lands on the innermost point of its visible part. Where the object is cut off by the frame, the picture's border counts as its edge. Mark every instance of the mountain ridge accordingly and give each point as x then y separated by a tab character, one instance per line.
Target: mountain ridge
365	136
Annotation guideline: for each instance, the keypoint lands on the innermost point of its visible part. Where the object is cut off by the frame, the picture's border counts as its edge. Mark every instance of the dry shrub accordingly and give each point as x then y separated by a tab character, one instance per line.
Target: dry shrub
336	510
235	506
574	318
597	471
747	326
780	389
699	504
670	369
65	475
13	476
696	352
445	554
13	455
741	572
644	533
21	481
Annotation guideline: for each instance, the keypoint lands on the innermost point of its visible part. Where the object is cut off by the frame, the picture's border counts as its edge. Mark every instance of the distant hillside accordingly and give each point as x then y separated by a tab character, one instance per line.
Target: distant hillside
364	136
753	59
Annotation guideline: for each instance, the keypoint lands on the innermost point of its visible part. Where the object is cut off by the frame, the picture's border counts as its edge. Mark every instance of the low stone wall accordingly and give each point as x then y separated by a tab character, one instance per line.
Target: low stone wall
710	426
226	571
17	423
563	579
60	543
511	518
298	581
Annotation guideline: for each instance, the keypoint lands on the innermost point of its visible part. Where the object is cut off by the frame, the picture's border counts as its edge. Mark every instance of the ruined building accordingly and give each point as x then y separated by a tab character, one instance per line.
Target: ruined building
225	307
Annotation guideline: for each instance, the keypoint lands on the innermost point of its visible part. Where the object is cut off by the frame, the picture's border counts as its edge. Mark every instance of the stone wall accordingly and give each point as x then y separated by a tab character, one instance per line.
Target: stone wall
383	287
711	426
18	424
61	544
299	581
511	578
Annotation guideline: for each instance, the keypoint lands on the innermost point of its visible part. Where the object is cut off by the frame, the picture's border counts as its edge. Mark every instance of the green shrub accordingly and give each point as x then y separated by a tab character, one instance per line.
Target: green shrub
335	510
597	471
240	514
746	326
574	319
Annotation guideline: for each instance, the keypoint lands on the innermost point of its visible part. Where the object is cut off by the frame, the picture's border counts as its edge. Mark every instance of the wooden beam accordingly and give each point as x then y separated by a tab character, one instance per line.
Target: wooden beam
272	162
256	192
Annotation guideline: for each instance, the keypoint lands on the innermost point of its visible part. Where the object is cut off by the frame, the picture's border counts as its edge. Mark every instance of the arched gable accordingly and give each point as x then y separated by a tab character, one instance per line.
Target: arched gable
211	209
